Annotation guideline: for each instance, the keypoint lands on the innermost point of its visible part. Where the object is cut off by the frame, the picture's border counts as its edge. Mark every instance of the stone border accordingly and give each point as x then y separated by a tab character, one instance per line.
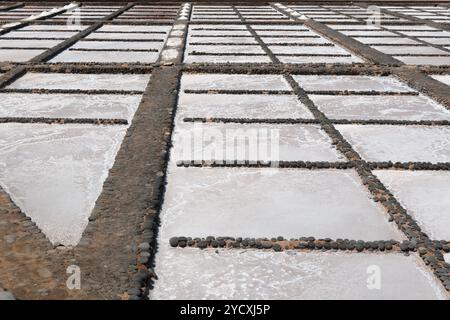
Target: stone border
303	243
316	121
382	165
98	121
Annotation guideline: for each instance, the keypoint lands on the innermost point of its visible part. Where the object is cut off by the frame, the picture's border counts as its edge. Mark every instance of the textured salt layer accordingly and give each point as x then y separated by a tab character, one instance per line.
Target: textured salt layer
108	45
278	27
408	49
439	41
306	50
240	40
233	82
226	59
18	55
106	57
269	40
224	49
219	33
425	195
369	33
271	202
39	34
393	40
10	43
102	81
128	28
125	35
380	107
231	141
434	61
241	106
68	105
64	27
351	83
313	59
249	274
55	173
399	143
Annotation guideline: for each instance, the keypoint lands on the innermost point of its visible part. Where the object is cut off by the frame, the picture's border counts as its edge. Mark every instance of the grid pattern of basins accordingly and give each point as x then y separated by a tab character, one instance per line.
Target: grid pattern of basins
118	43
222	194
146	13
236	43
301	159
85	14
436	13
22	12
327	13
411	44
23	44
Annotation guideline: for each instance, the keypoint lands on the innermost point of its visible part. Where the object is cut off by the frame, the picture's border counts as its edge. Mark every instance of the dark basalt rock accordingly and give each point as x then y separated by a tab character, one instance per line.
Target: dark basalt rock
173	242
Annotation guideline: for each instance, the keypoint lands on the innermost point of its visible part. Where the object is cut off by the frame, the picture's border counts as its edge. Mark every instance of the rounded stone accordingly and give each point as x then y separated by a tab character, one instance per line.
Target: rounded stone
202	244
266	245
276	247
173	242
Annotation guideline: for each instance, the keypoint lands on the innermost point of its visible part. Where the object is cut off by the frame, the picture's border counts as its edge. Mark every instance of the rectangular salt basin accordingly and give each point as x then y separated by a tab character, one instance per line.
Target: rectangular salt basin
128	28
271	40
196	27
125	36
399	143
351	83
434	61
212	33
240	40
408	49
307	50
365	33
316	59
226	59
67	165
425	195
380	107
407	27
39	34
439	41
224	49
255	274
18	55
352	27
106	57
443	78
241	106
202	81
69	105
427	33
232	141
393	40
45	27
10	43
300	33
107	45
258	28
101	81
254	202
